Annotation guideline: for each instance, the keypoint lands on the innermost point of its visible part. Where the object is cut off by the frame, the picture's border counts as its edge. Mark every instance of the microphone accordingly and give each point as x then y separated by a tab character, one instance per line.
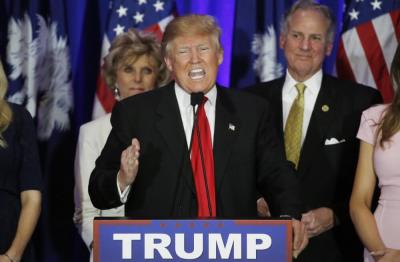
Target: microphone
196	99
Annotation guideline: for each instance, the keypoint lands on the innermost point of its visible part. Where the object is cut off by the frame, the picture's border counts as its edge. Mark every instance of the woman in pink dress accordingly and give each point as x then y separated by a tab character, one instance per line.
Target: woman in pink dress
379	158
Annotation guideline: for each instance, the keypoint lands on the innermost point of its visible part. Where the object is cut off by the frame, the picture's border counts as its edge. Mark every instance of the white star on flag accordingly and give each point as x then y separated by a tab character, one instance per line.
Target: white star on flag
138	17
142	2
354	14
122	11
159	6
376	4
368	43
119	29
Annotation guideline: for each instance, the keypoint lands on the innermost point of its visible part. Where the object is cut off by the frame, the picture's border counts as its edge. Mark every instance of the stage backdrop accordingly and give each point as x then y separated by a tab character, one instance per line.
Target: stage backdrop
52	49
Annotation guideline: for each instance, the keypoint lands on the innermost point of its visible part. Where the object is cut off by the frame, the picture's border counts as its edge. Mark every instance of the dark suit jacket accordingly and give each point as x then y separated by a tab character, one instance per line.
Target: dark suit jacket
326	172
247	158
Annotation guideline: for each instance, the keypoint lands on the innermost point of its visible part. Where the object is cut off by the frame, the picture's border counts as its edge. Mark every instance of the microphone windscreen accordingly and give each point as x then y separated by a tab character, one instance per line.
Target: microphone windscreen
195	98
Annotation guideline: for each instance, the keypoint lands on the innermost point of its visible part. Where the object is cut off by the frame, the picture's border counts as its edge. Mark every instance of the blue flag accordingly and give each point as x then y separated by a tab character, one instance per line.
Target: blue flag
35	51
38	59
256	53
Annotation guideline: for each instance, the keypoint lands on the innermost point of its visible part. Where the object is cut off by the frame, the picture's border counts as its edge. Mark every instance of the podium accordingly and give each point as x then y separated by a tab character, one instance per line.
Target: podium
121	239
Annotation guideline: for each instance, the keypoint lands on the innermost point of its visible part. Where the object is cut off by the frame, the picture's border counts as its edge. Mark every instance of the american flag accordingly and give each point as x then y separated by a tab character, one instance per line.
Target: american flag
371	32
147	15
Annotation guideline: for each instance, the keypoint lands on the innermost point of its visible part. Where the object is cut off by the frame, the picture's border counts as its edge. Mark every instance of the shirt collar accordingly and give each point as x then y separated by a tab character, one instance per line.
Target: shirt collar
313	83
184	98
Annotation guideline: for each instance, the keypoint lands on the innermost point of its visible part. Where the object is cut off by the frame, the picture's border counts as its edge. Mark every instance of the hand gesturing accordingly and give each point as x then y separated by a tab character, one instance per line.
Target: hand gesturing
129	164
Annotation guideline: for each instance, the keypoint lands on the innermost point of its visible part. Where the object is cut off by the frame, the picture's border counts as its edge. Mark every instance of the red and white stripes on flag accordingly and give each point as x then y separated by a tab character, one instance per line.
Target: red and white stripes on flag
366	51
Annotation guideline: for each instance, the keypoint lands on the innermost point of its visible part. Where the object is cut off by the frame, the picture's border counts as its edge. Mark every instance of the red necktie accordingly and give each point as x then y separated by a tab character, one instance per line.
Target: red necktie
204	188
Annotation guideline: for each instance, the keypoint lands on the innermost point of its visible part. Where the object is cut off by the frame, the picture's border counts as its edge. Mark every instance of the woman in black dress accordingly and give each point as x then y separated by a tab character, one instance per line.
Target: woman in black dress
20	180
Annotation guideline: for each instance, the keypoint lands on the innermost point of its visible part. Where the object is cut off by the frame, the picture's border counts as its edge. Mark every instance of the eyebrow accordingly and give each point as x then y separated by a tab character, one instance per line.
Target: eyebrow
189	46
301	33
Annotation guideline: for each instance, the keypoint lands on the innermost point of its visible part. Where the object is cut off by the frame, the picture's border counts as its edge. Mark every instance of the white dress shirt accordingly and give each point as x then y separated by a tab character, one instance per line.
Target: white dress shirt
186	110
289	93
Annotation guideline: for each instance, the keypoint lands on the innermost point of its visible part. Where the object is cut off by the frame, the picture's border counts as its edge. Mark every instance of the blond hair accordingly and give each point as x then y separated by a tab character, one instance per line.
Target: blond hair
5	110
128	47
190	25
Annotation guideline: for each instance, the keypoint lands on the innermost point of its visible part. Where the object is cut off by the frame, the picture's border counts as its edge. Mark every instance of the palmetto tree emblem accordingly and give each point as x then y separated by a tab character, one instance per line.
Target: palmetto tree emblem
264	46
42	62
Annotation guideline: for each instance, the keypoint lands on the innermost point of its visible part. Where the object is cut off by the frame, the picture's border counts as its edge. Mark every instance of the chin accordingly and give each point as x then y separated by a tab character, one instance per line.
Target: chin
201	89
135	93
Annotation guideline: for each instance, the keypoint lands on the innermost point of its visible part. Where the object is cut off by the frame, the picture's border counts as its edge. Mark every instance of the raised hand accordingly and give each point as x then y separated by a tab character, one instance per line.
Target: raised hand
129	164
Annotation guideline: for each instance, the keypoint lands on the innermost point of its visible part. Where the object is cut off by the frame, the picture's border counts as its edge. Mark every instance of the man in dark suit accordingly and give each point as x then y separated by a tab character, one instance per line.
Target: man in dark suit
318	117
147	160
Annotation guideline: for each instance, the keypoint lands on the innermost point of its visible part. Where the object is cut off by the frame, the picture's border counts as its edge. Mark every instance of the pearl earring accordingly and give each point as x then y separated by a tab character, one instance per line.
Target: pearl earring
116	93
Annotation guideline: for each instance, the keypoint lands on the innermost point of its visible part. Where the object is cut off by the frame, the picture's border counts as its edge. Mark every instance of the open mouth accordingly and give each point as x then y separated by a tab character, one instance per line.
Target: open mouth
197	73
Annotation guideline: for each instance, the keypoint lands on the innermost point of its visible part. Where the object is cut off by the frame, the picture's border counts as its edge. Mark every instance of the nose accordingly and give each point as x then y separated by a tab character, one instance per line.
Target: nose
305	44
137	77
194	57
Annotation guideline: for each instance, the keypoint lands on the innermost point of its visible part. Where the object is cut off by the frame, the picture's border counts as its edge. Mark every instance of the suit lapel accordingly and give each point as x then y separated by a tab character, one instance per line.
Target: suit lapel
276	103
170	127
322	118
226	128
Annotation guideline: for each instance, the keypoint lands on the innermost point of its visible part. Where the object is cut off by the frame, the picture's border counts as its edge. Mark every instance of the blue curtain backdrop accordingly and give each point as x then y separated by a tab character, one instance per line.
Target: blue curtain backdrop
83	23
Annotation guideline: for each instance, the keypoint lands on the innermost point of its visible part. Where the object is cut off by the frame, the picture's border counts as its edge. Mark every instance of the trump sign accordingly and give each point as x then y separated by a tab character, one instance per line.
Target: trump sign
193	240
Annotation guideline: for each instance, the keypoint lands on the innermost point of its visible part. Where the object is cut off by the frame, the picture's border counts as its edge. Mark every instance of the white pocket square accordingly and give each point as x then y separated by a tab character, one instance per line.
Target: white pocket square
333	141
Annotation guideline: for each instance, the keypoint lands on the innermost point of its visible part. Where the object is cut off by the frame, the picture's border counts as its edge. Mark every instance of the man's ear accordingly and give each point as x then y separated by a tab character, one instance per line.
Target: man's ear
168	62
282	41
220	56
328	48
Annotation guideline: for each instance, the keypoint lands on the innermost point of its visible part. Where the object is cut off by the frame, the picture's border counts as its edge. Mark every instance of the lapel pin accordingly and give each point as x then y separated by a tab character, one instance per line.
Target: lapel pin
231	127
325	108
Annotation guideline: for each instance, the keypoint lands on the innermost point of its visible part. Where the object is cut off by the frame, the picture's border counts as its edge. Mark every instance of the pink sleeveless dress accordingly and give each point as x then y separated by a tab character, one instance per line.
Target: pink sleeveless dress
387	168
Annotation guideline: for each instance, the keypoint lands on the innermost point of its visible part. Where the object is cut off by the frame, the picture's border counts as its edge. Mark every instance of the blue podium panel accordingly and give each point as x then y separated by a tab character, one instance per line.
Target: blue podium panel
192	240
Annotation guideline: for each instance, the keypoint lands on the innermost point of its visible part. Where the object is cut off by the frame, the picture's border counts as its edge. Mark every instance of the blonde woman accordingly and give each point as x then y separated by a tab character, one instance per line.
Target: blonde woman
20	180
132	66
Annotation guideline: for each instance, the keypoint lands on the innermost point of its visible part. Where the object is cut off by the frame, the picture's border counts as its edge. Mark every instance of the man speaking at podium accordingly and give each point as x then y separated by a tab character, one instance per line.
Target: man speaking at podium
193	149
